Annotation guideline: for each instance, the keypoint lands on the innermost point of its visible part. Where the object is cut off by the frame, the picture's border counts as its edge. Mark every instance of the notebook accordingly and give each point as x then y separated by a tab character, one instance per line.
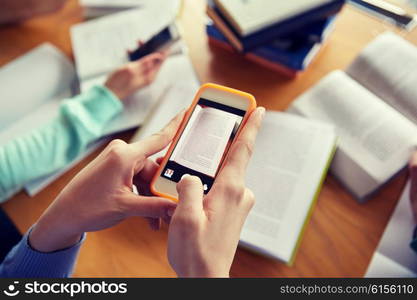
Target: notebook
394	257
293	153
374	109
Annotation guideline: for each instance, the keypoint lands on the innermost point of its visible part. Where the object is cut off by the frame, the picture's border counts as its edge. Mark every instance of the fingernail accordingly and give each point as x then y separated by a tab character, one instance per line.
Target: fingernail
170	212
184	176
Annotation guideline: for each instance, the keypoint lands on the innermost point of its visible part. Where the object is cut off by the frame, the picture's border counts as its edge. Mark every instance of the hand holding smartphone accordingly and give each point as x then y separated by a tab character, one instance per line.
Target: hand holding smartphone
200	147
160	41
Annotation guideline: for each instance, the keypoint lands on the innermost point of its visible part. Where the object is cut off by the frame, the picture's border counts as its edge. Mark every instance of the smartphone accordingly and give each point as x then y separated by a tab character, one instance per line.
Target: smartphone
162	40
201	144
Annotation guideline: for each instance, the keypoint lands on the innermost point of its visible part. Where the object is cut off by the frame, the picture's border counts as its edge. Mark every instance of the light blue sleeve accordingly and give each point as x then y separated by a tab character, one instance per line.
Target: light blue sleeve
47	149
24	262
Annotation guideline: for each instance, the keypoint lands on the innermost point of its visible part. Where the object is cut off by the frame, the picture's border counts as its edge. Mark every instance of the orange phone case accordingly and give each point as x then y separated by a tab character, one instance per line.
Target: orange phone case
251	107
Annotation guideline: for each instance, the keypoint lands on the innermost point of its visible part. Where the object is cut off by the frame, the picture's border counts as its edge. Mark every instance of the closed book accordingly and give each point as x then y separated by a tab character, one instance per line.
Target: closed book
296	59
291	26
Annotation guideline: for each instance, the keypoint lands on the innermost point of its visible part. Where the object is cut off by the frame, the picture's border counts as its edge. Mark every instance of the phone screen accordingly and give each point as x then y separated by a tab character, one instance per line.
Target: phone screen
204	142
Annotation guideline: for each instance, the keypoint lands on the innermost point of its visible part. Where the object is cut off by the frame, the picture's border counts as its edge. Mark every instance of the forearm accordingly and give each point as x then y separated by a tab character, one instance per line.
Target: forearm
47	149
24	261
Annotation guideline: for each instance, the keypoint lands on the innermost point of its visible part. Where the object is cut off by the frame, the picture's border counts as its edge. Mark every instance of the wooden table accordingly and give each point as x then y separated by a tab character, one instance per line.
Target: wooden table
342	234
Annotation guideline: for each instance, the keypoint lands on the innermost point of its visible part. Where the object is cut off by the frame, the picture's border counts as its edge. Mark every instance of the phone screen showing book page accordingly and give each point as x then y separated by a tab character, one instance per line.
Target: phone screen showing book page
204	142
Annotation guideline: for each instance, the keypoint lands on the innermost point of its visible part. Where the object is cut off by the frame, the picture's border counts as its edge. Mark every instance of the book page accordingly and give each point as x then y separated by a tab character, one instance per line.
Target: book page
387	67
204	139
372	133
290	159
31	81
398	259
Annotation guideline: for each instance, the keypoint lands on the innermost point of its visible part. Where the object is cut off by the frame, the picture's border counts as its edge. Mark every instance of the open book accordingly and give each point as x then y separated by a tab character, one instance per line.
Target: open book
286	172
205	138
373	106
394	257
100	46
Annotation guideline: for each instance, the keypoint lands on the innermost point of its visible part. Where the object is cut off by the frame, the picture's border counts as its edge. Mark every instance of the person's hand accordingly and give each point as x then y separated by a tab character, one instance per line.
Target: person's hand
135	75
101	196
204	231
413	189
13	11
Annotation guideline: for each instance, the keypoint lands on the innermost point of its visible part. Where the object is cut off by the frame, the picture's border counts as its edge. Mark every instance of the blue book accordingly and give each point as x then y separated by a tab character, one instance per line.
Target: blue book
297	58
306	25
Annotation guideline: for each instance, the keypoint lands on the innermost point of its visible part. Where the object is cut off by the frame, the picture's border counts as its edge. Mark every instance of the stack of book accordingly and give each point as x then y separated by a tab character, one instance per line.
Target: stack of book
282	35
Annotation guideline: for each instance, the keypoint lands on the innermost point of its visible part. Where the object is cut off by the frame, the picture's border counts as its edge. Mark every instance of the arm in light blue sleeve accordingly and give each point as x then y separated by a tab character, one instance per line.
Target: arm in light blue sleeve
25	262
44	150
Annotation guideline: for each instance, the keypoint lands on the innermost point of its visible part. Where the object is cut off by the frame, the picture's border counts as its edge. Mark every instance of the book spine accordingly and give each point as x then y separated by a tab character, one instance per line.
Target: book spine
276	67
269	55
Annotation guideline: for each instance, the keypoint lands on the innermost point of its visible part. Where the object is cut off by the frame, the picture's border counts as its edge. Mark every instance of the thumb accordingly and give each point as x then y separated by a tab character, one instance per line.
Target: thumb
190	196
152	207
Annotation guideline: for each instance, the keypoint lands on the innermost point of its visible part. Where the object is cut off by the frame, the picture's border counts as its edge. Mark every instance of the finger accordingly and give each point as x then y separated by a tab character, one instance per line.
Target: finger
154	223
152	67
153	207
241	150
165	52
190	196
151	59
148	171
159	160
144	64
158	141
